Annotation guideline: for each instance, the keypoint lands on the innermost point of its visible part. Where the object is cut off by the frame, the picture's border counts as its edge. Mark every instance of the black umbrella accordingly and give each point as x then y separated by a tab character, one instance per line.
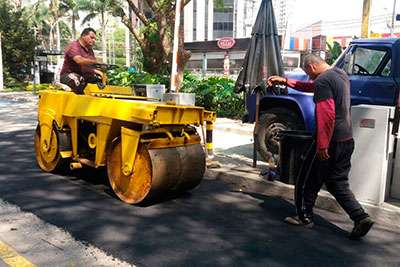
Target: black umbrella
263	59
263	56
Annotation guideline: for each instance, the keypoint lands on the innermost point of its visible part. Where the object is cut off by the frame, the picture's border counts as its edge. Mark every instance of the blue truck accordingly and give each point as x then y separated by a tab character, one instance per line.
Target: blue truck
374	80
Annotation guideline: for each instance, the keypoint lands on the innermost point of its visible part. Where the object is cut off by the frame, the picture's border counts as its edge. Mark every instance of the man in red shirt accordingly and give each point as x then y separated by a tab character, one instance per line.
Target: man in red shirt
328	157
75	71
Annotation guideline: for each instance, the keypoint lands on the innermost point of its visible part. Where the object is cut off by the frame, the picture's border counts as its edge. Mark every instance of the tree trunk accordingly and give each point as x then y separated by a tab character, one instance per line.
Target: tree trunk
58	41
183	58
73	26
51	40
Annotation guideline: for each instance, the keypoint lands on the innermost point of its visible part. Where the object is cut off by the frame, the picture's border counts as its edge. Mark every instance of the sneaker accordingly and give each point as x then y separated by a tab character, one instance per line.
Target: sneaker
299	222
361	228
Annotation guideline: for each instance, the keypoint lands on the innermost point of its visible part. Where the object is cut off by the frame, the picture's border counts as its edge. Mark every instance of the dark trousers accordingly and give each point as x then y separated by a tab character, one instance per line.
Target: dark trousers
334	173
77	82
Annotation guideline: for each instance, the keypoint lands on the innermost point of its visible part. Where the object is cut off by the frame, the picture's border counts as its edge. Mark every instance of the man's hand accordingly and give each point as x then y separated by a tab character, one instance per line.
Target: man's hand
322	154
276	80
98	72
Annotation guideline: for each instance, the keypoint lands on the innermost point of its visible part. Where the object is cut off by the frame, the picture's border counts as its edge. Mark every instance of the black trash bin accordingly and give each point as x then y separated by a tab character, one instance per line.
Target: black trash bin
293	147
46	77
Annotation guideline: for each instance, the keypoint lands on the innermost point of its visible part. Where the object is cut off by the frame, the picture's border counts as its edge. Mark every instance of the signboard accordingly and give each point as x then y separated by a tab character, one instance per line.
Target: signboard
50	52
226	64
226	42
367	123
40	58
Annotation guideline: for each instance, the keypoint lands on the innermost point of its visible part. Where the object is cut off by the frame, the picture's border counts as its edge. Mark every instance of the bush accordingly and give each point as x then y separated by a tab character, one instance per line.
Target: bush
125	78
42	86
213	93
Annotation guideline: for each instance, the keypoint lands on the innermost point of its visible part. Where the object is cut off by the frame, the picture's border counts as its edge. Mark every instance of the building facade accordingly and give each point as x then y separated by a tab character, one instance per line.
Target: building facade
281	10
205	23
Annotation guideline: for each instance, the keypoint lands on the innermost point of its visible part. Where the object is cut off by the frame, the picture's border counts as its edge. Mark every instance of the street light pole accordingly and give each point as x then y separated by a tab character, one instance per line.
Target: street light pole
127	41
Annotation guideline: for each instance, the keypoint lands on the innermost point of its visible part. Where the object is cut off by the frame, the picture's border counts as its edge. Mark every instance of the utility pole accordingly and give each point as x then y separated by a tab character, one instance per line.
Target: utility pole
365	18
393	18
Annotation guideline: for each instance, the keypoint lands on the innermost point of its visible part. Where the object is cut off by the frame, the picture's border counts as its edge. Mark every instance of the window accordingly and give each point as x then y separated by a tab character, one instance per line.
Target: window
223	20
370	62
386	70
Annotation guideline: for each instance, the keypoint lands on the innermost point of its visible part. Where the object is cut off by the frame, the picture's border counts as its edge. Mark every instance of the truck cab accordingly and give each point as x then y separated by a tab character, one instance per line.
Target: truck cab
374	80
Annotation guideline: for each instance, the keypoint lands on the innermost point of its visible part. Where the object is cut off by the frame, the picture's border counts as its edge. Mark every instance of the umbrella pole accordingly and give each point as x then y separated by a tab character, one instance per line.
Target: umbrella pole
255	132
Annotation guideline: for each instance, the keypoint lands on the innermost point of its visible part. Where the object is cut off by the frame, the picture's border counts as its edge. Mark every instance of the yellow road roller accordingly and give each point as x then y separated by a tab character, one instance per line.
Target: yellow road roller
150	148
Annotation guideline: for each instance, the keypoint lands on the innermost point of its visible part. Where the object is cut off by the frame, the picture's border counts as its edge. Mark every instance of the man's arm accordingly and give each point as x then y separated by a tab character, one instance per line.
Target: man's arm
325	123
307	87
84	61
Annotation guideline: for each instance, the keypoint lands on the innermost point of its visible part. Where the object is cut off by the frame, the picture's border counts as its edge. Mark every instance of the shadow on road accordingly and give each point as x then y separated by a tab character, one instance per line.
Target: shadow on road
212	225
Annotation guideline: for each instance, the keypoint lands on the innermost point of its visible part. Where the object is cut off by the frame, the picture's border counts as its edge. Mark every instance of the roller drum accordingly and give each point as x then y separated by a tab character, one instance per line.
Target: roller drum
176	169
156	172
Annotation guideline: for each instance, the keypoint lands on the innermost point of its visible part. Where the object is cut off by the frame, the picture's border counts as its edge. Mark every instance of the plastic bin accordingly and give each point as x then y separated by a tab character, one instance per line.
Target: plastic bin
293	147
46	77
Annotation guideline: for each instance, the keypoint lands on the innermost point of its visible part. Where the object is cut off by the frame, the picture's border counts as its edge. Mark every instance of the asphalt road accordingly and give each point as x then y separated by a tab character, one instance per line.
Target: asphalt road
215	224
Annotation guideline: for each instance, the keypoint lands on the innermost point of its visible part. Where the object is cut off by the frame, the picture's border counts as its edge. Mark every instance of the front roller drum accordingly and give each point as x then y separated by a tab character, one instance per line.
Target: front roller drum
156	172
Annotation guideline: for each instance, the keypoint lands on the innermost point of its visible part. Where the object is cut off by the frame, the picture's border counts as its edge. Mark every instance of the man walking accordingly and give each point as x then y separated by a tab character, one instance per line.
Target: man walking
328	157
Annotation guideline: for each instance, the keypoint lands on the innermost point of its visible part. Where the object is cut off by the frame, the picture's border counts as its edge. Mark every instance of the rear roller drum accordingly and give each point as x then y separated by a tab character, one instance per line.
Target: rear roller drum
48	153
131	188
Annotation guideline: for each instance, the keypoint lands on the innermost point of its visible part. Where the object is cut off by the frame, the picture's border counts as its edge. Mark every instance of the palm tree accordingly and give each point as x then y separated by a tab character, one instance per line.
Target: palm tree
41	19
97	8
73	6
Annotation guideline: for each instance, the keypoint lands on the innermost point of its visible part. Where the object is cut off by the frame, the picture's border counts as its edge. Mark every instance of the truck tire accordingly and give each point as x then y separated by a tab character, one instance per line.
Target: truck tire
269	124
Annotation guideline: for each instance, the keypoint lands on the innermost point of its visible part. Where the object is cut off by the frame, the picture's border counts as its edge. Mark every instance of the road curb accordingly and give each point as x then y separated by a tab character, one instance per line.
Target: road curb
384	214
218	127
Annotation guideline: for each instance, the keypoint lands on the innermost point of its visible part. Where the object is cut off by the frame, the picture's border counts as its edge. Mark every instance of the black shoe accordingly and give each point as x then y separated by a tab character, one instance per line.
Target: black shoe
295	220
361	228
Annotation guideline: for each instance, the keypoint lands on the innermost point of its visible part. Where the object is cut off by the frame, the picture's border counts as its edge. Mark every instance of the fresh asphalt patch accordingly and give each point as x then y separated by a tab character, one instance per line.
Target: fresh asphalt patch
215	224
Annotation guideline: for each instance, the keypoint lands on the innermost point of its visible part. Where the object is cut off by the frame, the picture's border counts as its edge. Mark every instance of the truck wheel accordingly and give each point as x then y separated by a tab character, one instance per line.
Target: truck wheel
269	124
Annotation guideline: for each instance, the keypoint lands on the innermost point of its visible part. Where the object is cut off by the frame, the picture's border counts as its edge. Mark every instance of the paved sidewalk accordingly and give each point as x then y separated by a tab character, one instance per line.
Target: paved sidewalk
20	96
236	167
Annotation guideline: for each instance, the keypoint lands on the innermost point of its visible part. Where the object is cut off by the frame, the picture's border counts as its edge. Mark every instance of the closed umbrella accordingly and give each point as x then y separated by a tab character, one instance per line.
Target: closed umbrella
263	59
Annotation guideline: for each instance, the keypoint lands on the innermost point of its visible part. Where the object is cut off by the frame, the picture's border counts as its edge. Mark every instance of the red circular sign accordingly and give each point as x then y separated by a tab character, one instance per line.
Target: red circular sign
226	42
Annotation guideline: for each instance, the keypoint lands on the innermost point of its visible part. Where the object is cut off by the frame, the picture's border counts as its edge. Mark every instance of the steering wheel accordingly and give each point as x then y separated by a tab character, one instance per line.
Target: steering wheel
361	70
102	66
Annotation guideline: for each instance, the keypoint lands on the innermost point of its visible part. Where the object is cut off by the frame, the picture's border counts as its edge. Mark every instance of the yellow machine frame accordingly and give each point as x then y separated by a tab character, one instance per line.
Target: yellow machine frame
149	147
114	115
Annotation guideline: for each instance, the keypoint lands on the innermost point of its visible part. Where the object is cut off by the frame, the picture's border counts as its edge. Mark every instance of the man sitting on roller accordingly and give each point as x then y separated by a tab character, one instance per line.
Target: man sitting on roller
75	71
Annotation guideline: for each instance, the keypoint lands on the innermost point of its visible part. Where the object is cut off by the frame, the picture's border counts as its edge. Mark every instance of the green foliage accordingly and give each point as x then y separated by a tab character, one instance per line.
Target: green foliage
335	51
14	88
213	93
42	86
18	45
126	78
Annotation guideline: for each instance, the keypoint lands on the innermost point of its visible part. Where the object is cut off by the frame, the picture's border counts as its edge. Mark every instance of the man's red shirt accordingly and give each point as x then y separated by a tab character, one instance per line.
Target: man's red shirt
76	49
